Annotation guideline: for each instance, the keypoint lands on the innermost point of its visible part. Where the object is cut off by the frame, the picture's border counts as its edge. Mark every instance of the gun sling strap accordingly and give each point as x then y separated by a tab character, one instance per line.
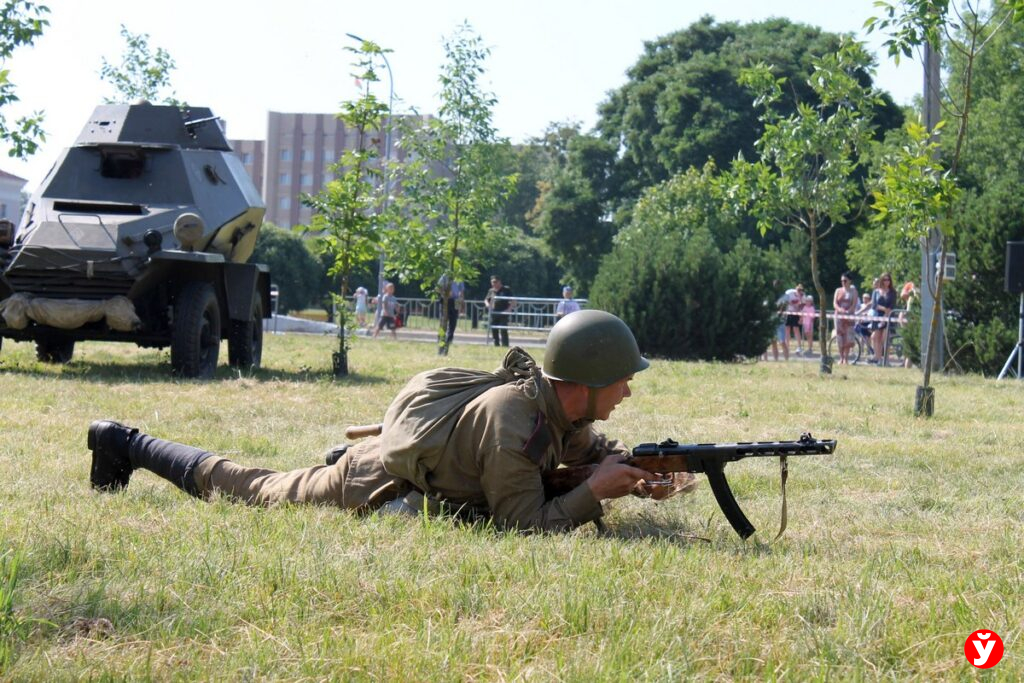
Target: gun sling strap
784	475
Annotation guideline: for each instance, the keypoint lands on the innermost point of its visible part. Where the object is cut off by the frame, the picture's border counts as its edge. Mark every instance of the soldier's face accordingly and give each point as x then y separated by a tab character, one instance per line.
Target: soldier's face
610	396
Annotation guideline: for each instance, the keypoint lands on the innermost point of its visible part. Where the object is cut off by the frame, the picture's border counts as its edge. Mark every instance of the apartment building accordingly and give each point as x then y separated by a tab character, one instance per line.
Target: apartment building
295	159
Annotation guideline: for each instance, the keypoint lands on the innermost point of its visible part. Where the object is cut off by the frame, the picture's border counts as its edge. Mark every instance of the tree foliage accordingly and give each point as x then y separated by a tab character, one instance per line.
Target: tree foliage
293	267
142	73
532	269
981	325
806	177
572	219
963	35
683	104
21	22
685	278
348	221
454	180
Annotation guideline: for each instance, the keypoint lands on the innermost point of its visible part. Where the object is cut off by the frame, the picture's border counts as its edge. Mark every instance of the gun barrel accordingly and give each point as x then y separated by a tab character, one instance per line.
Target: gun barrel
652	453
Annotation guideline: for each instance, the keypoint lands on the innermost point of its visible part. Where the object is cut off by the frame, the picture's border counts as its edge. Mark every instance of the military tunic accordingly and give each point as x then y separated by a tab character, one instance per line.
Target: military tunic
492	464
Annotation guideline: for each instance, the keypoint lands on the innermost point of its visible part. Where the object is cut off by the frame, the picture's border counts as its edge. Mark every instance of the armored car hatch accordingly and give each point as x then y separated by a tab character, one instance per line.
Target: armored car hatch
141	232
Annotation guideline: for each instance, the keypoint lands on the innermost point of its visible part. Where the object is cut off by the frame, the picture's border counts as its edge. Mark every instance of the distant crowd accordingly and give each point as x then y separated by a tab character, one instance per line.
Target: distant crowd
867	315
498	302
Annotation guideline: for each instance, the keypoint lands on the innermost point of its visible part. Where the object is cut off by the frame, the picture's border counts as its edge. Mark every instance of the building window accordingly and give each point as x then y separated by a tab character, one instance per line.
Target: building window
328	155
246	158
285	203
307	155
306	180
286	155
284	179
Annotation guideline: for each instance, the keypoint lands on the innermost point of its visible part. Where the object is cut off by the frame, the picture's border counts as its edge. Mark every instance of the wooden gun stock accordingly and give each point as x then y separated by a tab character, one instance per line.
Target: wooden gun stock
361	431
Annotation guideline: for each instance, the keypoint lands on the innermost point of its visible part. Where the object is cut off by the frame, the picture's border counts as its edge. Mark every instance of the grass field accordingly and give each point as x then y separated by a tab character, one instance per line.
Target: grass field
899	545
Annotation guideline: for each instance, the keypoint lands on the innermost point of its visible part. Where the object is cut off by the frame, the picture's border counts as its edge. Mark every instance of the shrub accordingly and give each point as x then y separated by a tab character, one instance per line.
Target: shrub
685	281
297	273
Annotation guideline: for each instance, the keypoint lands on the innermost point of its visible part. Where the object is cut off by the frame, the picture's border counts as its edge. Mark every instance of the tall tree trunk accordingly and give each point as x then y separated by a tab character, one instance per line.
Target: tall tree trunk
339	361
826	362
446	292
924	401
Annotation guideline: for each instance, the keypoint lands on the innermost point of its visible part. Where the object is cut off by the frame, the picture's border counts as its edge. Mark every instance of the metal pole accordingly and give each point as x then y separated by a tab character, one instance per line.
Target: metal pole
387	173
931	245
1018	351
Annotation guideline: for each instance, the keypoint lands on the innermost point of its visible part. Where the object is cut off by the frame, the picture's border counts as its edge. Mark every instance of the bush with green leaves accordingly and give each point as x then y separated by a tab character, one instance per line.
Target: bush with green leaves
296	271
982	319
686	280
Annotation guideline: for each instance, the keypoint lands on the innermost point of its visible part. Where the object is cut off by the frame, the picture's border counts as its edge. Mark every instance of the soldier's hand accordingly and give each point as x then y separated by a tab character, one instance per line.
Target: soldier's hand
662	486
614	479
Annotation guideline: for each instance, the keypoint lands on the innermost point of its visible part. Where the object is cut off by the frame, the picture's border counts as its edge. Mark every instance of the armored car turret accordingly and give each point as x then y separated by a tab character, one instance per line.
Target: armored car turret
141	232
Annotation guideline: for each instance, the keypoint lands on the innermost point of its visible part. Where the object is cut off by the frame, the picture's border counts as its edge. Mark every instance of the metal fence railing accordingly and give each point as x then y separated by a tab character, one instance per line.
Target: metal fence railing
892	338
529	314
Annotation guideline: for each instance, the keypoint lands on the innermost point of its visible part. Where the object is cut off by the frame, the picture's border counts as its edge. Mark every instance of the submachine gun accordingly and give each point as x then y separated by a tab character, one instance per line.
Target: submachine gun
707	458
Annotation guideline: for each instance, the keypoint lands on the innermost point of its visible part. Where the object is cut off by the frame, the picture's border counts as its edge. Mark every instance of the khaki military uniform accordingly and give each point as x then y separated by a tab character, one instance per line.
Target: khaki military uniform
491	465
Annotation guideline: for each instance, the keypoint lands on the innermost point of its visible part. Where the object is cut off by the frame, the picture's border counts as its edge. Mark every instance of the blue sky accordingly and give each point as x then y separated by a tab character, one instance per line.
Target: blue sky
550	61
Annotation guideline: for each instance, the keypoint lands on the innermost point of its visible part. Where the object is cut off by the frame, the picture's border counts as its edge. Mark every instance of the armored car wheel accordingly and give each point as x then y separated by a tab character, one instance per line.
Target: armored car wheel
195	339
55	350
245	340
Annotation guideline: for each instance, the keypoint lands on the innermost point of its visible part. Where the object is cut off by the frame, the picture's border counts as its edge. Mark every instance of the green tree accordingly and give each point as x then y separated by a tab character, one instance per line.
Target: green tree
875	249
981	327
142	74
293	267
348	213
805	178
683	104
21	23
686	279
918	192
525	255
454	183
572	219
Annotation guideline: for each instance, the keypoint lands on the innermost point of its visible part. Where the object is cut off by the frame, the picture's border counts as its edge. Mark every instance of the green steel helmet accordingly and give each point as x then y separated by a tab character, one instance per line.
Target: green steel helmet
593	348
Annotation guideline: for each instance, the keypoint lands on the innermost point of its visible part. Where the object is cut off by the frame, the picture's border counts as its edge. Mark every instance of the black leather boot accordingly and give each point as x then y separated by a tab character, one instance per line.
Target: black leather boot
117	451
173	461
111	465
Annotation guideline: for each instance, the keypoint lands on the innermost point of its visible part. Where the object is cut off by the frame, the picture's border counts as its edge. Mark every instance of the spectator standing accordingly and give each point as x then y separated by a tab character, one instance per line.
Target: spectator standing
882	303
499	305
454	293
907	296
807	321
794	305
388	307
567	305
781	306
863	327
844	301
360	298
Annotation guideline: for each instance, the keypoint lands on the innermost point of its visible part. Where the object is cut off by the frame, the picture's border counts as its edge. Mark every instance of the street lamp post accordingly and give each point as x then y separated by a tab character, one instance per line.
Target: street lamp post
387	174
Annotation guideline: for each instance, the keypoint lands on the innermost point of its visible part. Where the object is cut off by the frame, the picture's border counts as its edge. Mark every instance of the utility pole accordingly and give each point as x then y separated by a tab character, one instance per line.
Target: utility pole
930	247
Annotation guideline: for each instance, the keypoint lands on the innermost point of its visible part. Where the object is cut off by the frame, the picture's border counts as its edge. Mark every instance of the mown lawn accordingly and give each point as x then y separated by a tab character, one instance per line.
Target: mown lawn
899	545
